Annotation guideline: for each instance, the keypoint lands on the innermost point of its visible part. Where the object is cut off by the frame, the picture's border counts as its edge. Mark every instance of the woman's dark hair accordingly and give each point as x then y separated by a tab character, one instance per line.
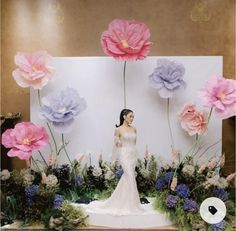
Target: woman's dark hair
123	113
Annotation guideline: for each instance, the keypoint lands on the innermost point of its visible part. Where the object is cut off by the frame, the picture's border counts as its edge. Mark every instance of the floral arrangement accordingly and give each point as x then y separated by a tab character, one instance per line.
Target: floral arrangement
48	188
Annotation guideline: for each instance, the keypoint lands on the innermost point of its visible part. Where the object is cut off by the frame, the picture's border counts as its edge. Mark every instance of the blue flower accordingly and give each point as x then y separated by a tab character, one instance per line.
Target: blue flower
167	77
119	173
182	190
78	181
171	201
58	200
221	194
190	205
160	184
30	192
168	176
219	226
61	109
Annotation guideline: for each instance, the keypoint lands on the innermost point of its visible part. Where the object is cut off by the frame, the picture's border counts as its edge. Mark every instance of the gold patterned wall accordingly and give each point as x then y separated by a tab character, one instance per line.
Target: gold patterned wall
73	28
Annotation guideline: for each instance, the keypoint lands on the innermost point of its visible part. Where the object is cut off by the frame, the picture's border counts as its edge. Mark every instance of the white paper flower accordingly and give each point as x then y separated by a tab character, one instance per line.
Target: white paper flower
97	172
188	169
144	172
109	175
51	180
5	174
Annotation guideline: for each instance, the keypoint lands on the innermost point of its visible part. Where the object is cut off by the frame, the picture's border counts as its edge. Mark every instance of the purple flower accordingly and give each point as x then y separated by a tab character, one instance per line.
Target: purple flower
61	109
219	226
30	192
160	184
78	181
183	190
168	177
171	201
190	205
119	173
167	77
221	194
58	200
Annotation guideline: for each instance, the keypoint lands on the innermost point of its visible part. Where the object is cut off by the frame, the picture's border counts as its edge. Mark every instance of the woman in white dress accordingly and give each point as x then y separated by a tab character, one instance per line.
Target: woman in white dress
125	198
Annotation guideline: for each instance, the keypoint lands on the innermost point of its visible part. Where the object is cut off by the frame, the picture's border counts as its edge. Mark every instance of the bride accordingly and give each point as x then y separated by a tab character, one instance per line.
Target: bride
125	198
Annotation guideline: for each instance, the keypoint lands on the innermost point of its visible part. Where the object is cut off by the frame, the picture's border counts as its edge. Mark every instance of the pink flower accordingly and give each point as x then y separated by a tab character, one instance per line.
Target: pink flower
220	93
230	177
173	184
192	121
126	40
212	163
222	161
34	69
23	139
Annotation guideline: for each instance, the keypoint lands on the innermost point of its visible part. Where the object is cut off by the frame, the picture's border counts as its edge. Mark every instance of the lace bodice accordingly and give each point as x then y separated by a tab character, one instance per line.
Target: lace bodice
128	139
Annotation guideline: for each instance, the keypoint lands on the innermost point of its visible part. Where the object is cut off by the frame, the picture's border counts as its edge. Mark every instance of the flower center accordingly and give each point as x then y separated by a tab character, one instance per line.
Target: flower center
124	43
34	68
222	96
62	110
26	141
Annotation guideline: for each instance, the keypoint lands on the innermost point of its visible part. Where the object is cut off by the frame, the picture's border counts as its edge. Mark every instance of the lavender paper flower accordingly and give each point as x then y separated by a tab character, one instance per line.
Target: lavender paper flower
183	190
119	173
78	181
61	109
167	77
219	226
58	200
171	201
168	176
221	194
190	205
30	192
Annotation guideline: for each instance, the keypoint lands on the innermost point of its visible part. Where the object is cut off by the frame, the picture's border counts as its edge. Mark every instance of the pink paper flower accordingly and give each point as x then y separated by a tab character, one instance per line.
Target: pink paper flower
230	177
126	40
23	139
34	69
220	94
192	121
173	183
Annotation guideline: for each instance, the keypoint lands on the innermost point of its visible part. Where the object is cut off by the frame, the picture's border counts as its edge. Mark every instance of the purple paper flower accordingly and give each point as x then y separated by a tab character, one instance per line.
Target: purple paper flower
61	109
168	177
160	184
58	200
119	173
167	77
183	190
219	226
221	194
190	205
30	192
78	181
171	201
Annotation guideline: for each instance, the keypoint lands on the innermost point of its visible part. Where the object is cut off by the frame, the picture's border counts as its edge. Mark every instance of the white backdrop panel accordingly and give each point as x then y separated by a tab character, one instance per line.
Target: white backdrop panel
99	80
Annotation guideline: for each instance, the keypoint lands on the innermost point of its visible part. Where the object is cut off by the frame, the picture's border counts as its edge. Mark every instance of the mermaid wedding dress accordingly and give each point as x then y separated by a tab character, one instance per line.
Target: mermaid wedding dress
125	198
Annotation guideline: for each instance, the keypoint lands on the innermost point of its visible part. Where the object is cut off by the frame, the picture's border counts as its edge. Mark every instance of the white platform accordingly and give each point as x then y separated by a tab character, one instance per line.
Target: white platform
151	218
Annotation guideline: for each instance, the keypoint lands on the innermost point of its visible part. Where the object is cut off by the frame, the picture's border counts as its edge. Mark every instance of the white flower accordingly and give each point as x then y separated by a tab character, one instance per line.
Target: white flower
188	169
144	172
97	172
109	175
51	181
27	177
222	182
5	174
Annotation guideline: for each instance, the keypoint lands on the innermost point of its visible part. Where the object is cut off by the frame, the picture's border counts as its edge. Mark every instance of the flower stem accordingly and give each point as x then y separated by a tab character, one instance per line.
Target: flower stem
124	84
40	153
170	130
54	141
35	162
64	147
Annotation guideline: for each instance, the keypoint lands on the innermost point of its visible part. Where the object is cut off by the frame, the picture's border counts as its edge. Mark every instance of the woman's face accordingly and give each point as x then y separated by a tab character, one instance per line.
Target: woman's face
129	118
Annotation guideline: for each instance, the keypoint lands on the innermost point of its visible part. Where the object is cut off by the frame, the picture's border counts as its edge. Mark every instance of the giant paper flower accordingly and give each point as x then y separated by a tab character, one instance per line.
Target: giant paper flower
34	69
167	77
23	139
192	121
61	109
126	40
220	94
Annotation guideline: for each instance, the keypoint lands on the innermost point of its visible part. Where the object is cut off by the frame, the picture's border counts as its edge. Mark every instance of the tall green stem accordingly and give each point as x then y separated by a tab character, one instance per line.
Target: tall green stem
64	147
124	84
49	128
168	119
43	158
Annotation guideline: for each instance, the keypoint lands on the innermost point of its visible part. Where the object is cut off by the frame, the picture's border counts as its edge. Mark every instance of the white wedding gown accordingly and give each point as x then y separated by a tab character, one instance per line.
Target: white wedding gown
125	198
